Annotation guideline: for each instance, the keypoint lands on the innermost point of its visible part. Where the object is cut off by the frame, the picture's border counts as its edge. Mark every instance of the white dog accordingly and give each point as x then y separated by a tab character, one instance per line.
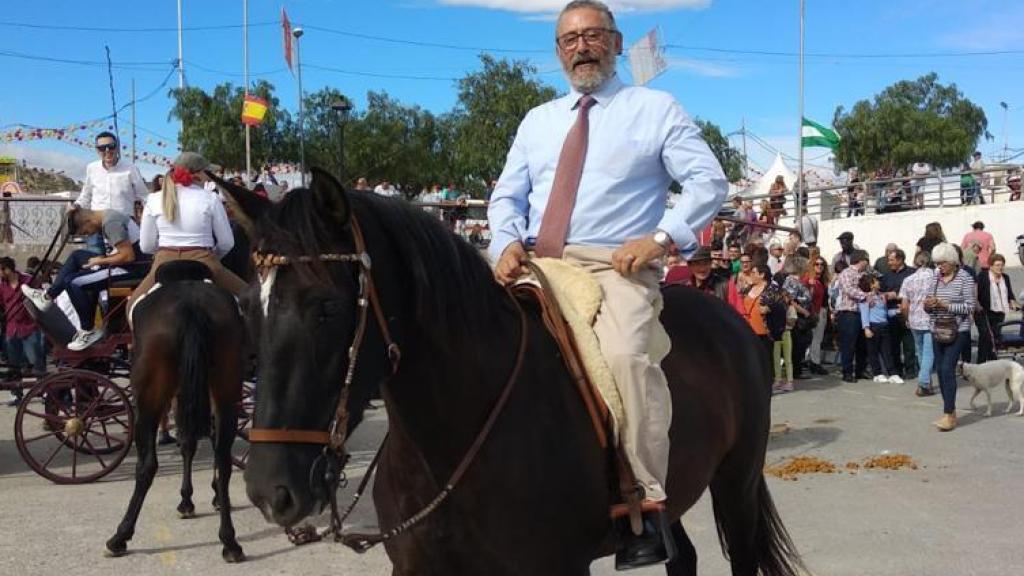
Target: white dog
984	377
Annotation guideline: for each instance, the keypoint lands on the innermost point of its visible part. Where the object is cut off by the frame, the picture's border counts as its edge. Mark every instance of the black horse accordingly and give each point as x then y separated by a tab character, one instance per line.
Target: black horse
187	344
535	499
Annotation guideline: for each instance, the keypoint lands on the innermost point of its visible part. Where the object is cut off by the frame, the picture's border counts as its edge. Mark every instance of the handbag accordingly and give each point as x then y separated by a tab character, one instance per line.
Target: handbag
945	329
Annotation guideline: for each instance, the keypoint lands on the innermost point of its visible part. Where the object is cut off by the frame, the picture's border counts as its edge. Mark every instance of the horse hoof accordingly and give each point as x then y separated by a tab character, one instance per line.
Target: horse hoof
115	550
233	555
187	514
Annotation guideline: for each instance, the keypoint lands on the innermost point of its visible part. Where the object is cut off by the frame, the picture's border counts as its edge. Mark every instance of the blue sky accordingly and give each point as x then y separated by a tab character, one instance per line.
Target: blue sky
725	87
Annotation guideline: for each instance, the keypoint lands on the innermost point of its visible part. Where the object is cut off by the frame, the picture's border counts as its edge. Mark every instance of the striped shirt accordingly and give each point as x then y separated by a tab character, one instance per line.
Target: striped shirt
959	293
849	294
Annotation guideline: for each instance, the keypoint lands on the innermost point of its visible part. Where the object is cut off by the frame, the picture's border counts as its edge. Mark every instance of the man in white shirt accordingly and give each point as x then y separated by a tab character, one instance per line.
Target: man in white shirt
110	184
808	229
586	180
385	188
776	257
920	171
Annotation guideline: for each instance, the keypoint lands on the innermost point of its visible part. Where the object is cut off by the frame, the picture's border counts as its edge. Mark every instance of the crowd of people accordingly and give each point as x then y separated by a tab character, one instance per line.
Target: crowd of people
904	189
888	321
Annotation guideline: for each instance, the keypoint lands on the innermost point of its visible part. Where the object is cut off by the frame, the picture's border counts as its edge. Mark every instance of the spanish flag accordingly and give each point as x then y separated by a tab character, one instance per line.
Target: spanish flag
254	109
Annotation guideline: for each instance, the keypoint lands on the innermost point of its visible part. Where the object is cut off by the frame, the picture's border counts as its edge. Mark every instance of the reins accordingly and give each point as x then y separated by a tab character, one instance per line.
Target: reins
361	542
333	439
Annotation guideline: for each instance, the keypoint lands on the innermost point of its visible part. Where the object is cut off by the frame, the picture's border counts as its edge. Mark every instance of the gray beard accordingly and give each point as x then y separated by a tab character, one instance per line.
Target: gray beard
589	83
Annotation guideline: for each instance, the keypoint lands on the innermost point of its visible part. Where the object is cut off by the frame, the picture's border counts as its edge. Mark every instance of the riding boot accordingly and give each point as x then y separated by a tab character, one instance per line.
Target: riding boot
653	546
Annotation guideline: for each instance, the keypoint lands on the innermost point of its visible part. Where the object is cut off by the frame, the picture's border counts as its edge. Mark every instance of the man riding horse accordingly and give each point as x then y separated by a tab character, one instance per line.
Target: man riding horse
599	201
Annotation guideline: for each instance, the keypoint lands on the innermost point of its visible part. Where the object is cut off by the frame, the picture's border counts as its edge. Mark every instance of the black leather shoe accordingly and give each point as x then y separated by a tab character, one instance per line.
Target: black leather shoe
654	546
863	376
849	379
817	370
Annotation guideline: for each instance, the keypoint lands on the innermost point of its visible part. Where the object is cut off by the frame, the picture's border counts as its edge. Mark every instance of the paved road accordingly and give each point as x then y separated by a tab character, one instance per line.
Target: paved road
958	514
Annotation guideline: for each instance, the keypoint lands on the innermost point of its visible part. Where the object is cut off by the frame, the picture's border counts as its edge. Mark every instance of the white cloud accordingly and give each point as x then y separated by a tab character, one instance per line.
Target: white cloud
72	166
549	6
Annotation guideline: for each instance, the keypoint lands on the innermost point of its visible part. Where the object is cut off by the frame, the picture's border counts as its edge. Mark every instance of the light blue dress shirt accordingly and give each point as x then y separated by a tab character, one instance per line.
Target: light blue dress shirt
639	141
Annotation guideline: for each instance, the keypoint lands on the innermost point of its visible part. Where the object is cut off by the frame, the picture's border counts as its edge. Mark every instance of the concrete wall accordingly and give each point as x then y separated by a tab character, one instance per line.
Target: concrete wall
1005	221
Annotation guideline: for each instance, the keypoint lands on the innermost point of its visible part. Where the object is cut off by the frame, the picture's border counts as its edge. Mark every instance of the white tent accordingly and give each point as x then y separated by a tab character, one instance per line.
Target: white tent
764	184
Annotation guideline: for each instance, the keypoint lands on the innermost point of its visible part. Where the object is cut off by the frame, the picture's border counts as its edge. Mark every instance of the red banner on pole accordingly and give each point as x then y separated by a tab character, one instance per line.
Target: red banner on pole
286	27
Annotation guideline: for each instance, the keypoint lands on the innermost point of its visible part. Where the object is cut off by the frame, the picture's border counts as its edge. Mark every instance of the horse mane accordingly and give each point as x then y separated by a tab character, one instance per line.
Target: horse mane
450	285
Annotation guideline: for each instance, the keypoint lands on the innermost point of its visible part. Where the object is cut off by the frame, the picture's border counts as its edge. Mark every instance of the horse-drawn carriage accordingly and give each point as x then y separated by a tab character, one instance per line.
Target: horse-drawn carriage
75	424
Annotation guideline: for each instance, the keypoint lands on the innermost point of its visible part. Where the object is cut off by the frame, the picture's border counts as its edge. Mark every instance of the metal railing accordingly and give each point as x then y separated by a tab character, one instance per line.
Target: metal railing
935	190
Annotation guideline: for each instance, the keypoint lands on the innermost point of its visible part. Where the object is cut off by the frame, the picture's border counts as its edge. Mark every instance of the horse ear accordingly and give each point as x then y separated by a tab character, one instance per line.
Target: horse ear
251	203
330	195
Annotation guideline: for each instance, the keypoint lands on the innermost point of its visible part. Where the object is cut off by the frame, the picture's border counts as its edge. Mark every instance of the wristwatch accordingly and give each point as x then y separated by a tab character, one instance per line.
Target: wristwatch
661	238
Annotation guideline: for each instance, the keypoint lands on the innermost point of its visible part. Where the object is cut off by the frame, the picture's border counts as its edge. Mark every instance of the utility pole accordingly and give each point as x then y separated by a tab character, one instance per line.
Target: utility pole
800	192
746	164
181	61
133	120
1006	132
297	33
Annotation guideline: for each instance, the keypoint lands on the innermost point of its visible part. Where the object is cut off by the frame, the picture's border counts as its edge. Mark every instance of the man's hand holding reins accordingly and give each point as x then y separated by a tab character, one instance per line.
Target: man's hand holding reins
512	264
635	255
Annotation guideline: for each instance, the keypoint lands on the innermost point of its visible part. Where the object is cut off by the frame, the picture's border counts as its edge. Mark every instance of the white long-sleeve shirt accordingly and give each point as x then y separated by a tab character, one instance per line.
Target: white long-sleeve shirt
115	188
202	222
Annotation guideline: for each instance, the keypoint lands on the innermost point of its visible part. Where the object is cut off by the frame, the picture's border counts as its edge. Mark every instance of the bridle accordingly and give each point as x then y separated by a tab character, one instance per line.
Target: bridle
327	470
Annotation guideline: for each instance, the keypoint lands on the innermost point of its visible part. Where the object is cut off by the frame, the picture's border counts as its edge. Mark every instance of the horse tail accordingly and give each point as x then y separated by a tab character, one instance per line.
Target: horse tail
776	554
194	343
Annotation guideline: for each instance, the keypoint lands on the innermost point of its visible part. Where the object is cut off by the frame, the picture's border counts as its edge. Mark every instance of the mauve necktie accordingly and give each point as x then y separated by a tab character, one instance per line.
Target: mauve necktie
554	227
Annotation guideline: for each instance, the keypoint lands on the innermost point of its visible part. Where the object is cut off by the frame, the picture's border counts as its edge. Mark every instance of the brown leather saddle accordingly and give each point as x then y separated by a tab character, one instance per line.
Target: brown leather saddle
630	500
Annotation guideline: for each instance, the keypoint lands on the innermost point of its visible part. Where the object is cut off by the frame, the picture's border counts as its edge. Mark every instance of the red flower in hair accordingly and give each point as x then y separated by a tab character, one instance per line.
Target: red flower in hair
181	176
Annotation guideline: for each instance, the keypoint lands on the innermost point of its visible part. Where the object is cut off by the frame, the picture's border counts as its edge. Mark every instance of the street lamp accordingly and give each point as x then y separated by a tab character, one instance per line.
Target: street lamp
297	32
342	107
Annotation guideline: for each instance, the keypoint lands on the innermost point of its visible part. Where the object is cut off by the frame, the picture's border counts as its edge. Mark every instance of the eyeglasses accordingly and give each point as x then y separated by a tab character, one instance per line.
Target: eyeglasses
818	265
591	37
106	147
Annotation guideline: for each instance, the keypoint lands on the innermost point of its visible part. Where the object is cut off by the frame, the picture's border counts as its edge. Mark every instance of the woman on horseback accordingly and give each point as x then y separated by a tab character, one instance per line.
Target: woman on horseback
183	221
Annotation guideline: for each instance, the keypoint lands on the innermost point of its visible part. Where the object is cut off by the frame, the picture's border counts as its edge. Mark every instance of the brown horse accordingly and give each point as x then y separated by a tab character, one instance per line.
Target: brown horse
534	501
187	344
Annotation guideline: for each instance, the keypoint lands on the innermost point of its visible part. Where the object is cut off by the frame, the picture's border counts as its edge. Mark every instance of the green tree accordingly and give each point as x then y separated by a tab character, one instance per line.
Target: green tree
323	123
392	141
492	103
910	121
730	158
213	127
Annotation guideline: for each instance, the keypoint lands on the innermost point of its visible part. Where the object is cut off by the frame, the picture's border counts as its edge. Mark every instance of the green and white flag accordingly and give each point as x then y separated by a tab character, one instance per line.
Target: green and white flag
814	134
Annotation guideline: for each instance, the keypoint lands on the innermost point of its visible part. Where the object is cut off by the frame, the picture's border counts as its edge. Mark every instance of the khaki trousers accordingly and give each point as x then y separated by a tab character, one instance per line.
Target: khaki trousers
634	343
221	276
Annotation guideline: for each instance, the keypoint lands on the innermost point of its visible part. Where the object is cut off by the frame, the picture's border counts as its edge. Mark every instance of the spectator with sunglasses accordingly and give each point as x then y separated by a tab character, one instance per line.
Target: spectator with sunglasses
111	183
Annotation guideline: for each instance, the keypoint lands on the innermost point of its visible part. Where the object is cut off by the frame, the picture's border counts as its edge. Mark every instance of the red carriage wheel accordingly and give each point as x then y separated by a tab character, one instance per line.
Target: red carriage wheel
246	411
74	427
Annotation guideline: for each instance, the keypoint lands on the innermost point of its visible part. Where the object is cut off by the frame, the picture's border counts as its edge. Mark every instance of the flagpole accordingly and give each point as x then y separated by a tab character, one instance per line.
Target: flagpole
297	33
181	62
245	74
800	192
